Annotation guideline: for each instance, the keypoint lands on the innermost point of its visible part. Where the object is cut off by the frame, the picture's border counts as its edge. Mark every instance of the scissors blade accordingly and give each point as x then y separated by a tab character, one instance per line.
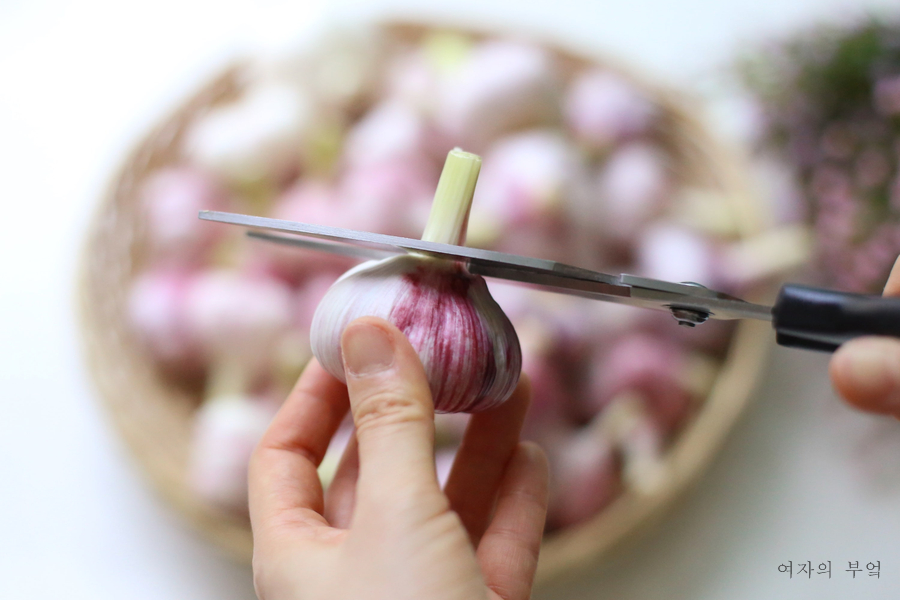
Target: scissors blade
536	272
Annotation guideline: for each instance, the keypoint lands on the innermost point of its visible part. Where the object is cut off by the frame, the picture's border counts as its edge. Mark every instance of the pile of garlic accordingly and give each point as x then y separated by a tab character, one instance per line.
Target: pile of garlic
577	167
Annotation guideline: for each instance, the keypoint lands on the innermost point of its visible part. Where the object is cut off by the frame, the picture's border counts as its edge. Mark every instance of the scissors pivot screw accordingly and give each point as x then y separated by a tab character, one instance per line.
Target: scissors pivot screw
689	317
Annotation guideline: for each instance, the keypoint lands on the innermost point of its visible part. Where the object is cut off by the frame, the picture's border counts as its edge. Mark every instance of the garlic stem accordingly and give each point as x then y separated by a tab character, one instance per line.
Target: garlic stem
449	217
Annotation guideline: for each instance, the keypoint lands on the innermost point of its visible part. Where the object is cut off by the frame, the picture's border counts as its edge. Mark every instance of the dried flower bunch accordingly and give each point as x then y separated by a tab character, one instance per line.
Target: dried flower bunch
578	166
830	102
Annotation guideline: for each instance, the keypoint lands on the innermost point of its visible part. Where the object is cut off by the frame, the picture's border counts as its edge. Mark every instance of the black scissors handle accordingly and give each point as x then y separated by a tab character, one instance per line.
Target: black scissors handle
819	319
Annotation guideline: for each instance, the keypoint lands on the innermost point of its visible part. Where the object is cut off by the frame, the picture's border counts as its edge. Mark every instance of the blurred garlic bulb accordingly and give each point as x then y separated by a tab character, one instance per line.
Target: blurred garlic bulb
467	345
391	130
526	182
585	477
226	430
601	109
309	201
675	253
156	311
344	67
634	186
237	318
256	137
501	85
416	78
547	413
171	199
390	196
650	366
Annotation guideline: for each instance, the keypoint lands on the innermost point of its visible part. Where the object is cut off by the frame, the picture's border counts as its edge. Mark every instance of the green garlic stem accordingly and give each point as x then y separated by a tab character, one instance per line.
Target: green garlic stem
449	217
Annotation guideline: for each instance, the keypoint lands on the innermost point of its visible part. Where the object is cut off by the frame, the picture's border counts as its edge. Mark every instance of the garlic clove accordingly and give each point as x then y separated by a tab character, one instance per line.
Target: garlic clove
467	345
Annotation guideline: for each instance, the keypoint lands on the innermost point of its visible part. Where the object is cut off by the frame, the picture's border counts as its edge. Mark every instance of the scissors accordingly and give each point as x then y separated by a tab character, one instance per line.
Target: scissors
802	316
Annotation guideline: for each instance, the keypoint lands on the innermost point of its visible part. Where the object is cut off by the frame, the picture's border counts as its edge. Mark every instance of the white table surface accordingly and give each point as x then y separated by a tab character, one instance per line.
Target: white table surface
802	478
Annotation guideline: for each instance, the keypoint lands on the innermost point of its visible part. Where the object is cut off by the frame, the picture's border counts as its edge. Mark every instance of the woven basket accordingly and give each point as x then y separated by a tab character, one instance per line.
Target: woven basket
155	417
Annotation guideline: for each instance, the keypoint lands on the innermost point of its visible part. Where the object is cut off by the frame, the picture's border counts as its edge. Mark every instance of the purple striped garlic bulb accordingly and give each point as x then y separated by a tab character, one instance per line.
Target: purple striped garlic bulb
466	343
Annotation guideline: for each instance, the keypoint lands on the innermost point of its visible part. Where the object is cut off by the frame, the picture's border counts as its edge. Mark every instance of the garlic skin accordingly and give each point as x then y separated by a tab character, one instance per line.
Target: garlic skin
467	345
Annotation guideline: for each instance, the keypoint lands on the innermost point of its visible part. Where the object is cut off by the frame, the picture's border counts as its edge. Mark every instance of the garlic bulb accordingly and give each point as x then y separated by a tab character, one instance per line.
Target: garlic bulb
586	477
156	313
171	198
602	108
254	137
466	343
500	87
226	430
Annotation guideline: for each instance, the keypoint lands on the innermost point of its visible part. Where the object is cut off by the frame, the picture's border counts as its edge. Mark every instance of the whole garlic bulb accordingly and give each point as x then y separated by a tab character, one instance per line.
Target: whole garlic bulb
467	345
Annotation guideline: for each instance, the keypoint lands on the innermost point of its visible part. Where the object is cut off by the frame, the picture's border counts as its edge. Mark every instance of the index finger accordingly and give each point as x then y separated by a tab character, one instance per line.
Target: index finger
283	478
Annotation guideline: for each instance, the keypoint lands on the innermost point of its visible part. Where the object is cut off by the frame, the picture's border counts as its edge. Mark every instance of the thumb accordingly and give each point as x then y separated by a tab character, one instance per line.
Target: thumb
392	410
866	371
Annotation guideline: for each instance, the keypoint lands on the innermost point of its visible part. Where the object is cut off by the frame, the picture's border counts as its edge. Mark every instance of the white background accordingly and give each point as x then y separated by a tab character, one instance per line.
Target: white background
802	478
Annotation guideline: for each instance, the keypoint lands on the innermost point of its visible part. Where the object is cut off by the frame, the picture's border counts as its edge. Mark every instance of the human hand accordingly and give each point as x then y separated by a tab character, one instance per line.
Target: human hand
866	371
385	530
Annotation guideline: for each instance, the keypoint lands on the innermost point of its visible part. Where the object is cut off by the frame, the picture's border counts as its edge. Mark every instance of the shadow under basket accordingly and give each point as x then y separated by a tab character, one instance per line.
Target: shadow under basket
155	417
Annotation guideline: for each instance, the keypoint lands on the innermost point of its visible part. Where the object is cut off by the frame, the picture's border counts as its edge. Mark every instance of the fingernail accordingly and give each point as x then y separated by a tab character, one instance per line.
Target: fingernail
367	349
872	370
